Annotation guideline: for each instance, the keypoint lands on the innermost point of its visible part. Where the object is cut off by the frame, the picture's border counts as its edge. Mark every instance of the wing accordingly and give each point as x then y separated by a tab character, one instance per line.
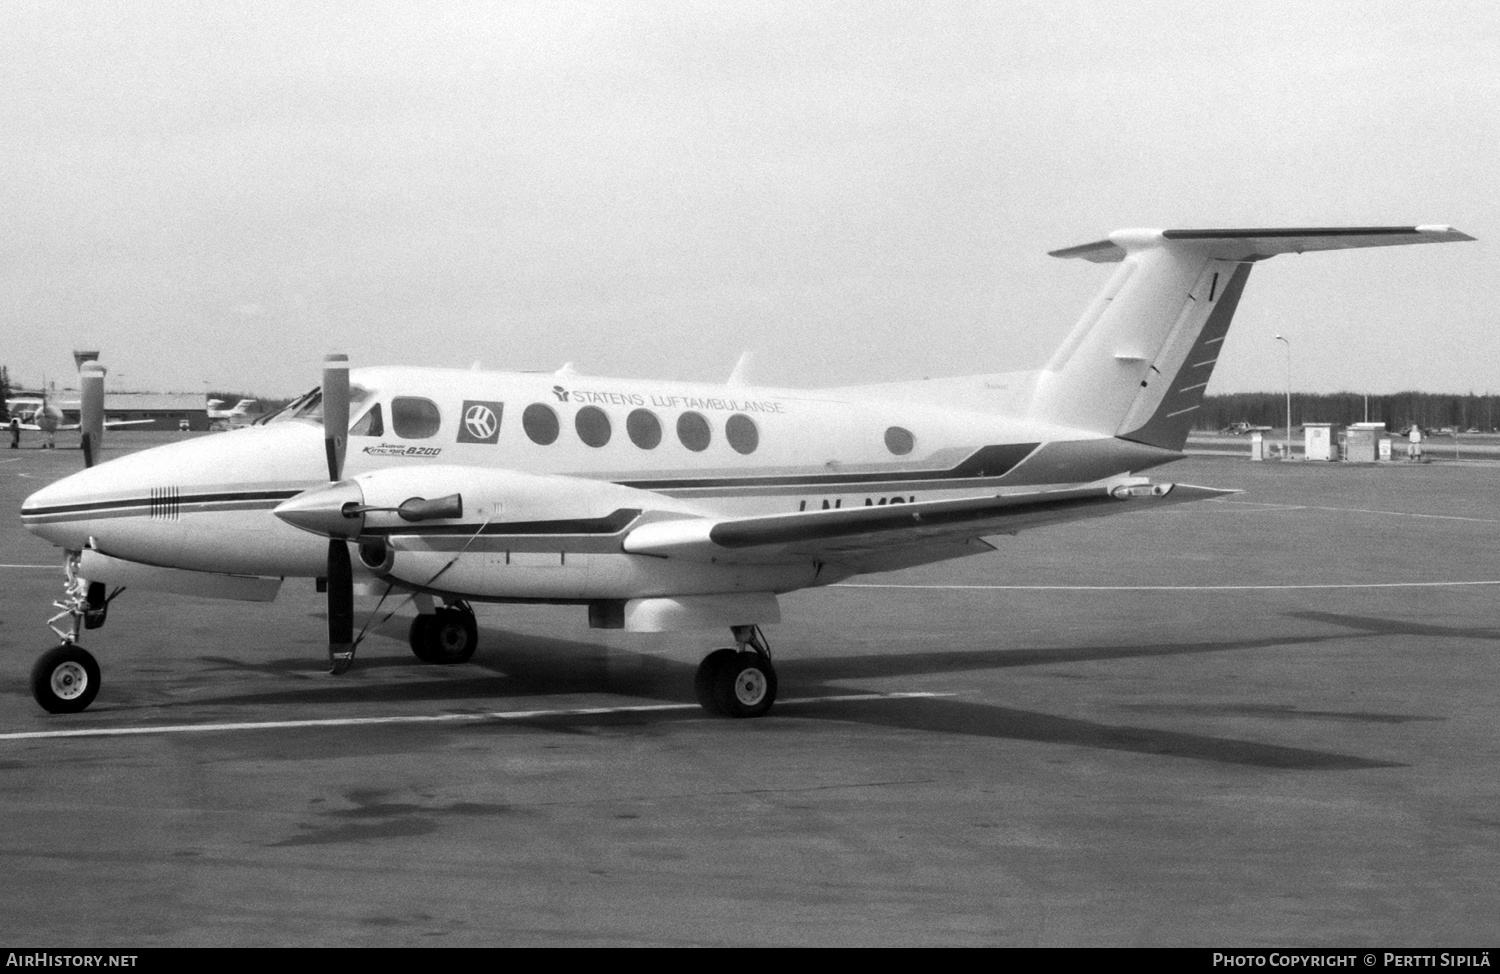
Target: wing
109	424
898	535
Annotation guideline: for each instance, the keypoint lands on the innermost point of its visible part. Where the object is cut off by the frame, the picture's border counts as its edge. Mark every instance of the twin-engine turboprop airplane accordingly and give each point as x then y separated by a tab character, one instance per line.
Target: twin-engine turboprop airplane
661	505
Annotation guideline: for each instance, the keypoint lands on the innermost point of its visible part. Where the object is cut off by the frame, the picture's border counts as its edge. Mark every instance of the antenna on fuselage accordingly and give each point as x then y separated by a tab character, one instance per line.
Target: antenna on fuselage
741	374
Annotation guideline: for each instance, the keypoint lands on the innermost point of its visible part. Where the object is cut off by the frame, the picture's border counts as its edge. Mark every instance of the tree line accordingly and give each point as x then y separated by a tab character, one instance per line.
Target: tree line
1429	410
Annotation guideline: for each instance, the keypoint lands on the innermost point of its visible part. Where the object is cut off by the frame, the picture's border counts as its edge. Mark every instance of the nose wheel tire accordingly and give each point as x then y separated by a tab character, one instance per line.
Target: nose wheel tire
65	679
448	636
736	683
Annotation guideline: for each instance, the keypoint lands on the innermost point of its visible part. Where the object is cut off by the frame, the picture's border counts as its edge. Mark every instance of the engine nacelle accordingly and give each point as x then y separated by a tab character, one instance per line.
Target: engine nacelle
500	534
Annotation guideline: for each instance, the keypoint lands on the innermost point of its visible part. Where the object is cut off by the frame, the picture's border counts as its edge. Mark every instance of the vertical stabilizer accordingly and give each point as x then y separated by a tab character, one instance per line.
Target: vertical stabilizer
1138	362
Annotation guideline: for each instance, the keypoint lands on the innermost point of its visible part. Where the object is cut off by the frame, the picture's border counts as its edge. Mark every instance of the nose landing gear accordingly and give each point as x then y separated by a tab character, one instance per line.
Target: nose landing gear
738	682
65	679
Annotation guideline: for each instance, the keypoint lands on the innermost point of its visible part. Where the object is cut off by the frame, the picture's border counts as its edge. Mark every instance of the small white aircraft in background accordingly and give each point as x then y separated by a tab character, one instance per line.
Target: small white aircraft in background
43	416
226	418
660	505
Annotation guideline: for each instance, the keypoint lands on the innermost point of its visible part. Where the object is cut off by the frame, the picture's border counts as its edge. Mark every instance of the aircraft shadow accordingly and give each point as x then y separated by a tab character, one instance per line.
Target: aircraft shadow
1379	626
521	664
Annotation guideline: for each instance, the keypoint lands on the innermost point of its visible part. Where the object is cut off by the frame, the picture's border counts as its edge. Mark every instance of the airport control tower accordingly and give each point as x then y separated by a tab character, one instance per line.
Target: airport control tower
80	357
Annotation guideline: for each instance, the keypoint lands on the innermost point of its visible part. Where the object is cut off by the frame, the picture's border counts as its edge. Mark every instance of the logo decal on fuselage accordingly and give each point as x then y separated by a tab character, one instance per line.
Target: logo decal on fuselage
597	397
397	450
481	421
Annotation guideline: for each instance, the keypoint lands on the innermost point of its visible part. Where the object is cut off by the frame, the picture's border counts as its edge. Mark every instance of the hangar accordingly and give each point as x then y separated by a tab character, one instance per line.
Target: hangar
168	410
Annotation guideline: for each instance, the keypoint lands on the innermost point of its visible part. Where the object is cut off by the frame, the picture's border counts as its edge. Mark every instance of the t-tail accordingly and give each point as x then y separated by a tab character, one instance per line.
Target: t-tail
1138	362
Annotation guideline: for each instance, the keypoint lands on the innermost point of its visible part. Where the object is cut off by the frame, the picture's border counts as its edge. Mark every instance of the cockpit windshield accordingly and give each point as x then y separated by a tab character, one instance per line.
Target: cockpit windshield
309	405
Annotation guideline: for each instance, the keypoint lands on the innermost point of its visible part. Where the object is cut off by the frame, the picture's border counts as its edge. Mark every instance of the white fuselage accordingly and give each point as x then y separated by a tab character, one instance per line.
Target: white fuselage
552	470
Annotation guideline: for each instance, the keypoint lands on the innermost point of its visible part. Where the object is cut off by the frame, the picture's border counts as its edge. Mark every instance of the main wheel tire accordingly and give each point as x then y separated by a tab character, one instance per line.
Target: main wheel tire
706	679
416	637
745	685
448	636
65	679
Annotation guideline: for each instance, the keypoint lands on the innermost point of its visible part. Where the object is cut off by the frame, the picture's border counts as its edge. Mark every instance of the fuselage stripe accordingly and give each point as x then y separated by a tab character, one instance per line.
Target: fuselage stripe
156	501
986	463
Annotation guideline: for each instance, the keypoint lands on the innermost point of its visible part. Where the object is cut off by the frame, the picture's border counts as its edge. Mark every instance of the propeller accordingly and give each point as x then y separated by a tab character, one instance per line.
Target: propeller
340	571
91	411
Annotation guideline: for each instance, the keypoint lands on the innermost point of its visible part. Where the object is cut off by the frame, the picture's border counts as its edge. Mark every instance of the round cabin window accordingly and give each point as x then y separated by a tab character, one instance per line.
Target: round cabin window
899	441
540	423
643	428
592	425
741	433
693	431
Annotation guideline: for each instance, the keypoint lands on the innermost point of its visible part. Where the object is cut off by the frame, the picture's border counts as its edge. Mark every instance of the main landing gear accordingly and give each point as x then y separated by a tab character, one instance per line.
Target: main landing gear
448	635
738	682
65	679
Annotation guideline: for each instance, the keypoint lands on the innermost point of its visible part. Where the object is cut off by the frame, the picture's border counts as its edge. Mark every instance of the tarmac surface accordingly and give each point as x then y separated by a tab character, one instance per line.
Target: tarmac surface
1269	720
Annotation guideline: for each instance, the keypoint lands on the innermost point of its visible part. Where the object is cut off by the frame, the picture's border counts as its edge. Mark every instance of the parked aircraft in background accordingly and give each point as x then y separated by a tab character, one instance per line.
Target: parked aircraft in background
40	415
22	407
660	505
227	418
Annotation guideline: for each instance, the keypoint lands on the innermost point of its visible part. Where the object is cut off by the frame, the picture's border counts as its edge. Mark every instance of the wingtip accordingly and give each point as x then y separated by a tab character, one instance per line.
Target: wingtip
1209	493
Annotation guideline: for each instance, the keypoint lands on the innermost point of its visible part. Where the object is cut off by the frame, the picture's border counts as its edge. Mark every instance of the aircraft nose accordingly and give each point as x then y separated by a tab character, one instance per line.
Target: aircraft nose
332	511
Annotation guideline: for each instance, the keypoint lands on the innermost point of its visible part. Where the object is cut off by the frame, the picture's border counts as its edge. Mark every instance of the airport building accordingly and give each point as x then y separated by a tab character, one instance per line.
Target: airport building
168	410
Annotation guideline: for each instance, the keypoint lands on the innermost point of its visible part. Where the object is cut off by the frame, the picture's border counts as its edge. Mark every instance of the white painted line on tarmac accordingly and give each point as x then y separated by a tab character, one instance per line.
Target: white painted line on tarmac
1166	588
28	566
433	718
1262	505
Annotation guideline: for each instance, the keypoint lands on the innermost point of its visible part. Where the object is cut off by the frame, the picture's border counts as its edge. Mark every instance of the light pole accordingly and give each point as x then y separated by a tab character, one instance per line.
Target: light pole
1288	345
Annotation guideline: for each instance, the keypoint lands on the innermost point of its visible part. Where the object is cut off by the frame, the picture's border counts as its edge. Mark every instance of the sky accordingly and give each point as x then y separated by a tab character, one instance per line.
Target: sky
215	194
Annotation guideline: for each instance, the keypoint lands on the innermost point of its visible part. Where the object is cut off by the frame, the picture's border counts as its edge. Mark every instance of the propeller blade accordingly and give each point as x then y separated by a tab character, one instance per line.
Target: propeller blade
91	411
340	608
335	411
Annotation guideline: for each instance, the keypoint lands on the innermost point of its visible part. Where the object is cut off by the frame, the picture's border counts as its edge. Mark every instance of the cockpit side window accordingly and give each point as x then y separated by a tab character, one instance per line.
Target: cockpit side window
370	424
415	418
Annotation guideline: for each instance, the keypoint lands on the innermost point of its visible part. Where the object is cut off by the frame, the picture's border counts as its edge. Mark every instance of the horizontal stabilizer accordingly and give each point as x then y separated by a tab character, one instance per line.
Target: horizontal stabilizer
1257	244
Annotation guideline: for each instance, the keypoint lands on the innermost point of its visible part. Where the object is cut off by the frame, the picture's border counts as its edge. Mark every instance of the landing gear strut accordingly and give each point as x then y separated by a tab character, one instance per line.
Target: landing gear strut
738	682
448	635
65	679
